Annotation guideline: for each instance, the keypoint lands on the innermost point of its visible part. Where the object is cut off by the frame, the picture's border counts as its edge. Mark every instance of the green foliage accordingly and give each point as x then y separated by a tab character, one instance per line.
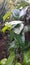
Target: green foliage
6	15
26	59
10	59
6	28
23	4
28	27
18	63
19	41
3	61
15	42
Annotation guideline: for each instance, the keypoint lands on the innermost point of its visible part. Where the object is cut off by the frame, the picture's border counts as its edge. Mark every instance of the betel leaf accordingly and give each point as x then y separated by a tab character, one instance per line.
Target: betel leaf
10	59
26	58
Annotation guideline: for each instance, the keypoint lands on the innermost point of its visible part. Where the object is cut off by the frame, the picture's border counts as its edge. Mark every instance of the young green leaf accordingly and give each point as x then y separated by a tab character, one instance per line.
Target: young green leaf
3	61
6	15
